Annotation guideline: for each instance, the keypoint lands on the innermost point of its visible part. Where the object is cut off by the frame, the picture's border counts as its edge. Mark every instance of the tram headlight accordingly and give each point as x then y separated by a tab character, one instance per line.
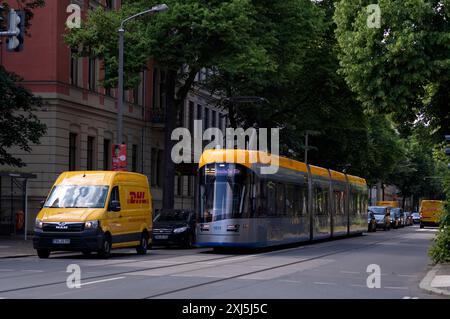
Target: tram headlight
180	230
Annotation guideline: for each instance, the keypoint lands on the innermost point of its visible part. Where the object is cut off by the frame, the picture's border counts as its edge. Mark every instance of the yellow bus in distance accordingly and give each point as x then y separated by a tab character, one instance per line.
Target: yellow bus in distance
388	203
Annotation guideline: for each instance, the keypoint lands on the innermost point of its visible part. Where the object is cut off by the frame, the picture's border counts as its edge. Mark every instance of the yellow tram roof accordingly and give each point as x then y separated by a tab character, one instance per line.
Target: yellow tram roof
243	157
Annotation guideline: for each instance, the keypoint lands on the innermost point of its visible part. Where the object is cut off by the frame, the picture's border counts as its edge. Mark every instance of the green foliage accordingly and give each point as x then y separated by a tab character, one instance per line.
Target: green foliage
440	251
402	67
18	124
194	33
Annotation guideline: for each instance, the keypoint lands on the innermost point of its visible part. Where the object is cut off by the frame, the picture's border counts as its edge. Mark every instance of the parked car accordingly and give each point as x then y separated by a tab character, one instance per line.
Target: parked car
408	218
381	214
174	227
396	217
415	217
371	222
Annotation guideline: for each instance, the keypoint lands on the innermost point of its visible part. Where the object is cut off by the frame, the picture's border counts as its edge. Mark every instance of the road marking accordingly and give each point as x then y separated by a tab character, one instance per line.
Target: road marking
355	285
292	281
350	272
6	269
411	276
31	270
100	281
325	283
408	297
400	288
427	230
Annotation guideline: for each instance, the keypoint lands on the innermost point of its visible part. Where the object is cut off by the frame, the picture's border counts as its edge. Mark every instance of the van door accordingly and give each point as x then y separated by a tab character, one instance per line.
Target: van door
115	219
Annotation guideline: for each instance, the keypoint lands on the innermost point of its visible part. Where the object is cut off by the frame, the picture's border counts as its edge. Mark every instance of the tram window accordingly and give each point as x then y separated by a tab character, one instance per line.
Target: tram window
291	200
321	201
261	198
301	200
271	199
281	201
339	202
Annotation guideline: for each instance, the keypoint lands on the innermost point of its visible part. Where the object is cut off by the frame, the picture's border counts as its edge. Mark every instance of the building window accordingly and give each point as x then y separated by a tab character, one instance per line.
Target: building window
191	117
181	116
106	154
206	124
134	158
73	151
189	185
92	75
214	119
179	185
73	69
90	153
157	167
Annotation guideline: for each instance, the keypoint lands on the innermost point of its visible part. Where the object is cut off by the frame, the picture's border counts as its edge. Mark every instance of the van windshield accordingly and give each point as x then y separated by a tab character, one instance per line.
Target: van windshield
76	196
378	210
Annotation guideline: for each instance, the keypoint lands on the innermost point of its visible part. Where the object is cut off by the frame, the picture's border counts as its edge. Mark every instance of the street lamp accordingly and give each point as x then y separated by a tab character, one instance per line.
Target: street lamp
155	9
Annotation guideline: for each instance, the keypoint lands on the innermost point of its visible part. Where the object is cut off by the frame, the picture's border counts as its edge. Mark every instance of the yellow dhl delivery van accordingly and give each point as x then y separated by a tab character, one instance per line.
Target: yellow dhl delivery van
431	212
95	211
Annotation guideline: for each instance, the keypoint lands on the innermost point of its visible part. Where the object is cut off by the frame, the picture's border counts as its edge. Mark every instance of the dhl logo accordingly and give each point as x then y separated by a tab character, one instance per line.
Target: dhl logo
137	198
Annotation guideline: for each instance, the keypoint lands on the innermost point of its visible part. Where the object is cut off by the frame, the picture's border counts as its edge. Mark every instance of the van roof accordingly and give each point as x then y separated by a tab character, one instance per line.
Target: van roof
90	177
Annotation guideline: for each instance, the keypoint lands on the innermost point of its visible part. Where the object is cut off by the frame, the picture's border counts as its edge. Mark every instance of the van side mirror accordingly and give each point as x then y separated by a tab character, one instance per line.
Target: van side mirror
42	203
114	206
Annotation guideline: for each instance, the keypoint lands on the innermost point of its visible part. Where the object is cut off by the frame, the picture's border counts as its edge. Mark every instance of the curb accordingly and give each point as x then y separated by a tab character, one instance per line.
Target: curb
425	284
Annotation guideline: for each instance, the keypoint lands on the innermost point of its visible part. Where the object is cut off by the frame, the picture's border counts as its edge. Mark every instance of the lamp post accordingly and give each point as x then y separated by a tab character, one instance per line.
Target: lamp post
158	8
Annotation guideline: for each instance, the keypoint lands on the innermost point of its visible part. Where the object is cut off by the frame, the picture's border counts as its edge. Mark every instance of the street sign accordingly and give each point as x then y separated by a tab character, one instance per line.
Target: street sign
119	157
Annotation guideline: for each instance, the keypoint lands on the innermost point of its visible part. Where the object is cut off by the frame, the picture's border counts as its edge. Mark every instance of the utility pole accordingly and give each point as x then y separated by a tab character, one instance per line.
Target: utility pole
307	147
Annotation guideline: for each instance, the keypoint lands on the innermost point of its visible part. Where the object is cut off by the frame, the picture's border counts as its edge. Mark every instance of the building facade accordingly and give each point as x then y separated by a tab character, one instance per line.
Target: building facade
81	116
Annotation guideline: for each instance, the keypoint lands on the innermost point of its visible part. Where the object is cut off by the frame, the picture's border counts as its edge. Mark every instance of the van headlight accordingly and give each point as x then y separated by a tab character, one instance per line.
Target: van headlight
180	230
39	224
92	224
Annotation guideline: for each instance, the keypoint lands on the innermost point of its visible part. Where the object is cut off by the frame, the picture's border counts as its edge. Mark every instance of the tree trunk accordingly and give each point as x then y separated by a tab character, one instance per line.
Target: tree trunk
173	106
169	126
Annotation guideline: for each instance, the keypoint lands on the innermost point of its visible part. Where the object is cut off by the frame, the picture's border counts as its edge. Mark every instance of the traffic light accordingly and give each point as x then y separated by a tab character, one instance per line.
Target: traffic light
17	30
2	17
447	149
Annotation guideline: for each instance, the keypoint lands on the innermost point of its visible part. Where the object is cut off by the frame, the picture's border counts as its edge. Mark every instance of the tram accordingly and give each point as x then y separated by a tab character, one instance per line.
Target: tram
239	206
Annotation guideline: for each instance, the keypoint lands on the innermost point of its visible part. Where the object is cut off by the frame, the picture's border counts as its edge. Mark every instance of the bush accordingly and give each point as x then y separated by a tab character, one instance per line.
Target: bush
440	251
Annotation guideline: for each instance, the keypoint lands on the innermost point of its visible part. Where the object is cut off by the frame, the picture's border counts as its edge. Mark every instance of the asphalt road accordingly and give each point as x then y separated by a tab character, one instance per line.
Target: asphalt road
331	269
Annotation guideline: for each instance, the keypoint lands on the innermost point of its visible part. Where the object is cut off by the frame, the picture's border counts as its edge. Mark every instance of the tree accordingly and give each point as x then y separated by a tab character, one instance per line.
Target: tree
18	125
403	67
190	36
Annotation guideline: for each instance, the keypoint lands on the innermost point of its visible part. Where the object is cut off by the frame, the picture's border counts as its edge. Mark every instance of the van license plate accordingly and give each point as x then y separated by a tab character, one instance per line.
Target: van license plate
61	241
161	236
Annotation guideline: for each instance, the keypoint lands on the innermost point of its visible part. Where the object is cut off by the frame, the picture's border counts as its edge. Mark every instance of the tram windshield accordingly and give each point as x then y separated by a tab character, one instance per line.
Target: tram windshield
223	192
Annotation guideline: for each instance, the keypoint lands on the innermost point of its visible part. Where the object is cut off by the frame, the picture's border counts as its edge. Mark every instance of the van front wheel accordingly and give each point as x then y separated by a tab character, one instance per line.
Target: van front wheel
143	244
43	253
105	251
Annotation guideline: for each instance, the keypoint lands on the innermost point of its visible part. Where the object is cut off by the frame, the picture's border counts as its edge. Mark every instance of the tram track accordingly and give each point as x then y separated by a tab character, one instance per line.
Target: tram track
115	273
231	257
265	269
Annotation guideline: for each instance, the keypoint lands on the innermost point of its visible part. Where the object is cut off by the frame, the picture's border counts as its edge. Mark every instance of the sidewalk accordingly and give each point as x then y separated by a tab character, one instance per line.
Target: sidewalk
13	247
437	280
